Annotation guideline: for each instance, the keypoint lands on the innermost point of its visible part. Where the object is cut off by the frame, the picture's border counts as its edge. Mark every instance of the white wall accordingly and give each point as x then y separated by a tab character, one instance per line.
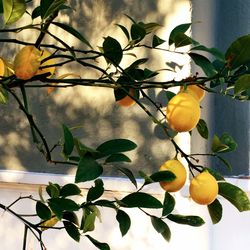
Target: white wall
231	233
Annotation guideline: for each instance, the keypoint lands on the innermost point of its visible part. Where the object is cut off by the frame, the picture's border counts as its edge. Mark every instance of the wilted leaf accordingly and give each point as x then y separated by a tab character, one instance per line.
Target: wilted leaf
215	211
3	96
235	195
89	223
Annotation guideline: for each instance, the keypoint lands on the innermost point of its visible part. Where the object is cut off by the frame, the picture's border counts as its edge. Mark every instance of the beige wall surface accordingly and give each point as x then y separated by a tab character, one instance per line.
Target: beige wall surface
92	109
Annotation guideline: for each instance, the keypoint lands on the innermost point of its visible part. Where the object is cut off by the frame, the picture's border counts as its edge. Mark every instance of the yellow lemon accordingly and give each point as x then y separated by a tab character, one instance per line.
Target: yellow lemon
51	70
179	170
195	91
27	62
204	188
183	112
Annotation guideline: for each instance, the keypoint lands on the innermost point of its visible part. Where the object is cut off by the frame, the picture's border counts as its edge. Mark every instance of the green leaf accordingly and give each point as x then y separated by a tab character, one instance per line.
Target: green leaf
213	51
225	162
43	211
137	63
169	95
229	141
150	27
117	158
215	174
202	129
124	221
73	32
50	6
215	211
72	230
242	84
182	40
71	217
13	10
70	189
88	169
168	204
53	190
68	144
116	146
96	191
235	195
140	199
36	12
190	220
161	227
162	176
4	97
218	146
149	73
1	6
238	52
89	223
105	203
180	29
83	149
112	50
137	32
204	63
129	174
124	29
99	245
59	205
157	41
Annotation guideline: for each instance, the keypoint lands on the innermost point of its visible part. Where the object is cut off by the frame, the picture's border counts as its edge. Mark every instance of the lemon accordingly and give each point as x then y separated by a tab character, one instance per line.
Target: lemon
51	70
195	91
27	62
179	171
127	101
204	188
183	112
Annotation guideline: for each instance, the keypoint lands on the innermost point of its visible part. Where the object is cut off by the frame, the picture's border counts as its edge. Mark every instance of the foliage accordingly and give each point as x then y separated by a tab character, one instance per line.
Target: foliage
228	75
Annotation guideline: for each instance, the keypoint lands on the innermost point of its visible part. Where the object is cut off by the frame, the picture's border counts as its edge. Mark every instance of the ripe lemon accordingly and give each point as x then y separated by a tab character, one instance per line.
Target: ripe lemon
51	70
179	170
204	188
195	91
183	112
2	67
127	101
27	62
